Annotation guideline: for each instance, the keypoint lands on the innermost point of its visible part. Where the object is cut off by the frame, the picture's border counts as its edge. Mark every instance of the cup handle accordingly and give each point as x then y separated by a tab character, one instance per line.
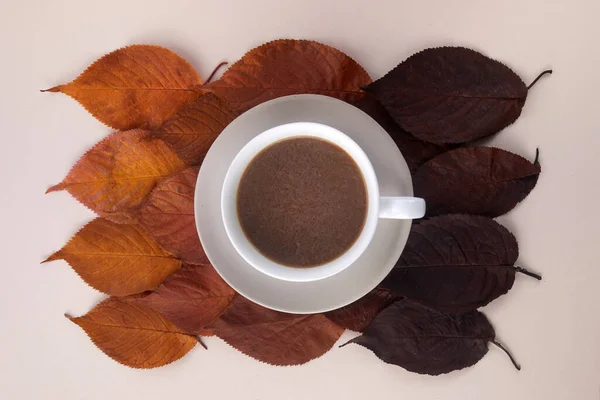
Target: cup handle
401	207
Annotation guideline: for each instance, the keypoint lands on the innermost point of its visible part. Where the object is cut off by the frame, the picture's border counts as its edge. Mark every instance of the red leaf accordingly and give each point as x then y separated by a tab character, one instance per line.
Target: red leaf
193	129
358	315
275	337
191	298
168	215
285	67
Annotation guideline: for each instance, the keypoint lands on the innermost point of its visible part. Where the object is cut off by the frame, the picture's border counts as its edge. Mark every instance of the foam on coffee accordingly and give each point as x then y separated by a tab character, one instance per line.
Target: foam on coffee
302	202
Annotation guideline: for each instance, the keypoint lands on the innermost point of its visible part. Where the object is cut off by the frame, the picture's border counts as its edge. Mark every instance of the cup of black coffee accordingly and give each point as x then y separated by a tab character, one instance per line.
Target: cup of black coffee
300	202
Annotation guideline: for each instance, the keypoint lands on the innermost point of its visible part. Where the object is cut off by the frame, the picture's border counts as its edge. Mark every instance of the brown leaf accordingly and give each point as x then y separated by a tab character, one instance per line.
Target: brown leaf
133	87
416	152
134	335
456	263
117	259
119	172
193	129
285	67
191	298
451	95
168	215
426	341
275	337
475	180
358	315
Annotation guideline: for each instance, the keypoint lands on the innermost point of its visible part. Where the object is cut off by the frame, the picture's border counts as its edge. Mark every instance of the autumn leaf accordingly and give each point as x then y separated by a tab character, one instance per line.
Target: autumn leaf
456	263
138	86
426	341
191	298
451	95
285	67
359	314
192	130
274	337
416	152
168	215
134	335
119	172
475	180
117	259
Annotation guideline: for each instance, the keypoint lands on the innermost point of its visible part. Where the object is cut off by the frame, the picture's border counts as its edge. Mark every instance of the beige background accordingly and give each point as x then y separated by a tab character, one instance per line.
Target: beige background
552	327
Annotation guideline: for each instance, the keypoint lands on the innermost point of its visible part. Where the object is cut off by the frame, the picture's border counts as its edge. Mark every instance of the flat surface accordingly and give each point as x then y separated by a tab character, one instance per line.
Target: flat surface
552	327
329	293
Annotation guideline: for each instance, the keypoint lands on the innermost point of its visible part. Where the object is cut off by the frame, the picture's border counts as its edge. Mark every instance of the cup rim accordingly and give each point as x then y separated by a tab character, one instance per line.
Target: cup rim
229	202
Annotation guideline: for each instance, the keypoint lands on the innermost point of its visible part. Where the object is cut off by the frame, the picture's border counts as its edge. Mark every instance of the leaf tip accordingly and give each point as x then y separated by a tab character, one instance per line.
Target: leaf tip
56	188
52	89
53	257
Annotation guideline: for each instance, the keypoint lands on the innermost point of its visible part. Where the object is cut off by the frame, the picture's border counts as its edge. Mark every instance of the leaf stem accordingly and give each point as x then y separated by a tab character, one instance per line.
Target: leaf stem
528	273
199	339
215	71
548	71
517	366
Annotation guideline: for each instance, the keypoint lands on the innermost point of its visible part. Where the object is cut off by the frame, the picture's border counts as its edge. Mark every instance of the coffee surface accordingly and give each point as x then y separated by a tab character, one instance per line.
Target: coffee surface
302	202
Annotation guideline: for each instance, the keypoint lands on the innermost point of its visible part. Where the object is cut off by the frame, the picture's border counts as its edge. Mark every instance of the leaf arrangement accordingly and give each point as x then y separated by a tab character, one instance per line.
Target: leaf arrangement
143	250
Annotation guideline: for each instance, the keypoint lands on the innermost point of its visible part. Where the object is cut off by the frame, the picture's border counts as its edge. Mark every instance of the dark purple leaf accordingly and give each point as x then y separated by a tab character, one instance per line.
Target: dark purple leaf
475	180
456	263
416	152
426	341
451	95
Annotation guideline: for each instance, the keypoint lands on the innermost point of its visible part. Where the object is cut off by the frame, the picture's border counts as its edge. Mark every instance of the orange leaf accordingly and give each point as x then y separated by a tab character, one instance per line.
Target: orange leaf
191	298
275	337
134	335
285	67
193	129
168	215
136	86
119	172
358	315
117	259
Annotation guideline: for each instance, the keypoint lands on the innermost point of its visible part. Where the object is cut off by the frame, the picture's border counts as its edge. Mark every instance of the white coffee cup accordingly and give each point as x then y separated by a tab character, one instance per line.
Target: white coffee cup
378	207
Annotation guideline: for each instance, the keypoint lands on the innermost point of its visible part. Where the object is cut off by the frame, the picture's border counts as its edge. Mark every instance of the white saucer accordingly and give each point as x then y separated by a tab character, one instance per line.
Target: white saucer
303	297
